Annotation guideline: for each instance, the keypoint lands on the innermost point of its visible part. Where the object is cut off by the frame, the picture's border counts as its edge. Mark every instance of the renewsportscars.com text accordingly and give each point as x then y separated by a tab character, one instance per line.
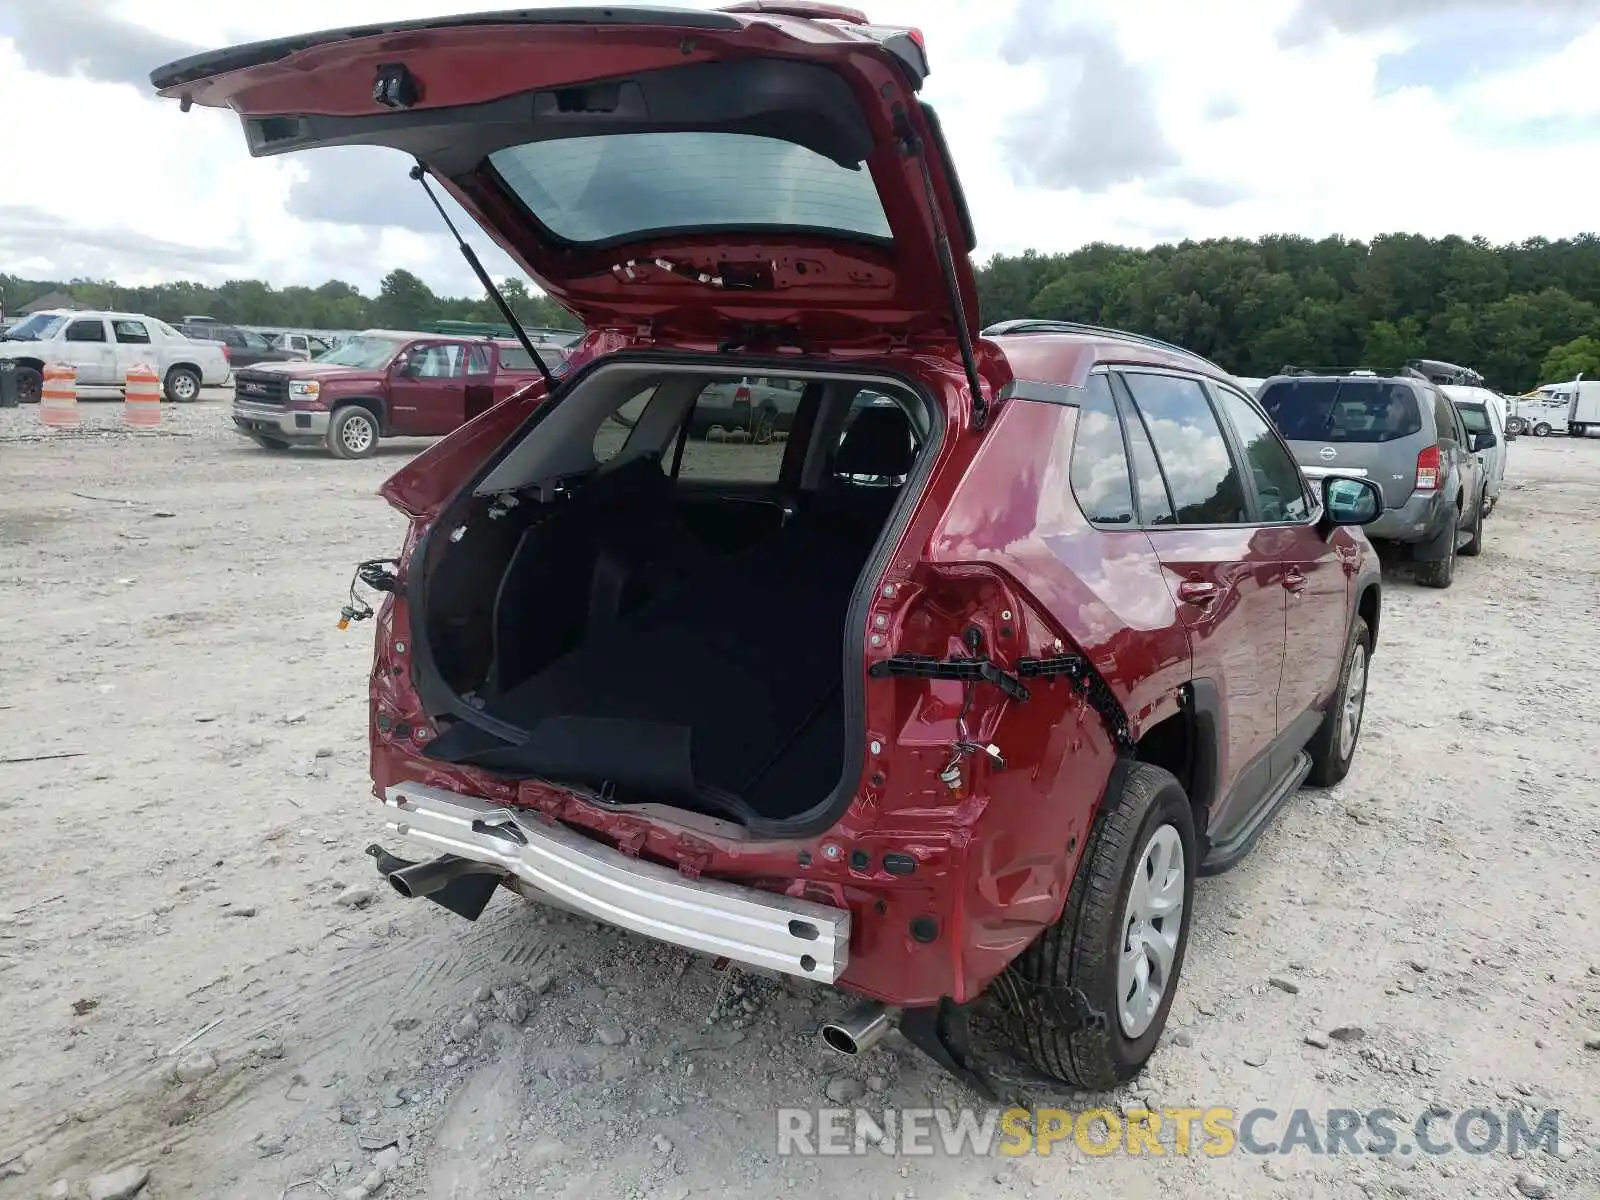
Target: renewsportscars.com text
1211	1132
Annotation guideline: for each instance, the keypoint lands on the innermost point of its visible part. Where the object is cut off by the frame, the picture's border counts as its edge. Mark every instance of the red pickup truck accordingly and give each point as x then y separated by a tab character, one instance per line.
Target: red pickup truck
379	384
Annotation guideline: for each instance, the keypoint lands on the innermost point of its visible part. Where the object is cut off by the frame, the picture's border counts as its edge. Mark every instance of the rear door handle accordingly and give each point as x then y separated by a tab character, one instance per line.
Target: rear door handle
1295	582
1197	591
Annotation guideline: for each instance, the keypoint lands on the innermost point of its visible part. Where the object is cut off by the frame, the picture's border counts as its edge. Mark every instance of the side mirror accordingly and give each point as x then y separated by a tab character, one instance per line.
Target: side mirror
1350	501
1484	440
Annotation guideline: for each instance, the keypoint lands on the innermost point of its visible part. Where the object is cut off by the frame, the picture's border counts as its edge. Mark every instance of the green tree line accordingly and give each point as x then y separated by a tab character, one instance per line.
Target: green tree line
1522	314
403	302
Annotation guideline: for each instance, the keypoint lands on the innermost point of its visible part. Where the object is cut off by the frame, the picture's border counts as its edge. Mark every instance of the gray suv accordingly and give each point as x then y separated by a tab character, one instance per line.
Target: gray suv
1401	432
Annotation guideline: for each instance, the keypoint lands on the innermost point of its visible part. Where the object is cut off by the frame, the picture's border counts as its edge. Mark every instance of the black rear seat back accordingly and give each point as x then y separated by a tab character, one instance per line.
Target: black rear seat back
877	443
869	467
554	585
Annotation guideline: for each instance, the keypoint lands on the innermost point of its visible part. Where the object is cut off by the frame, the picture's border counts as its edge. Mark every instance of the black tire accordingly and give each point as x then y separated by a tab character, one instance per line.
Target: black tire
1474	544
353	432
1514	426
1541	430
1330	757
1438	573
182	386
268	443
30	385
1082	950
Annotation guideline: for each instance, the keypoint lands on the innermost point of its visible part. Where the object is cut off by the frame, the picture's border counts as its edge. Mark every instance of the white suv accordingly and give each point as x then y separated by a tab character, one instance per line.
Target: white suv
103	345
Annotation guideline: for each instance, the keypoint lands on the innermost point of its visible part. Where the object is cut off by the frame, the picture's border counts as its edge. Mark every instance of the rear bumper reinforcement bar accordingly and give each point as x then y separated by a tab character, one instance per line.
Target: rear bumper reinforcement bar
759	929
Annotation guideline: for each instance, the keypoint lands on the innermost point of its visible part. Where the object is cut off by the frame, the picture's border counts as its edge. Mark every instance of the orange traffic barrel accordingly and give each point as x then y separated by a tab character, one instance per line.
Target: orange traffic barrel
142	396
58	398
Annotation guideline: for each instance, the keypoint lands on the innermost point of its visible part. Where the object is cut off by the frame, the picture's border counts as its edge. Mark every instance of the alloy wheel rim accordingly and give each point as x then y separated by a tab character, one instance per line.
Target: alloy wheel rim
184	387
1152	922
356	434
1355	701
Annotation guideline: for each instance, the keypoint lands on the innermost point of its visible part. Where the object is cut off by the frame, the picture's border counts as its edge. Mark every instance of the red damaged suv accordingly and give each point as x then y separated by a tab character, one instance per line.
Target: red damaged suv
954	689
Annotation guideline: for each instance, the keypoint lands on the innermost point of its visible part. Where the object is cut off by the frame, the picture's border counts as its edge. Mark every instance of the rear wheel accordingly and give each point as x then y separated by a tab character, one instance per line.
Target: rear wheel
1474	546
182	386
1515	426
1437	573
1334	747
1120	942
30	385
353	432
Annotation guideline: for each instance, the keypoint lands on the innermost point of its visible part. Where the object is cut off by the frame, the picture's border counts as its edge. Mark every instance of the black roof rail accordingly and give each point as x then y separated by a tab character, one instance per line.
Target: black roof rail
1041	325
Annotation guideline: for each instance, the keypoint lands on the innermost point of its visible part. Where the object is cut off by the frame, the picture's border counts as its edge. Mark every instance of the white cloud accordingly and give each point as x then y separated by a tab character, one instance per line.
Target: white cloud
1241	135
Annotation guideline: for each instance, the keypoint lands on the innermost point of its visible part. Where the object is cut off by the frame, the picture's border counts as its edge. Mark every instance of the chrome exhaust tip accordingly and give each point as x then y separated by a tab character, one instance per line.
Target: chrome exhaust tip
425	878
859	1030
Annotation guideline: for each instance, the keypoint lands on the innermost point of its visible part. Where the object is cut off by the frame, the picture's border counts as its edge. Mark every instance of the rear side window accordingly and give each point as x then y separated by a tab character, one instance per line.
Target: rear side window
1099	460
131	333
1342	410
735	435
1444	416
1194	457
1475	418
1272	476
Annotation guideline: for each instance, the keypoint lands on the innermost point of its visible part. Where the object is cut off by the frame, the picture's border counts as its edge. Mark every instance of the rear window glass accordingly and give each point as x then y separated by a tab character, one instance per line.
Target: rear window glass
1342	410
1474	417
619	185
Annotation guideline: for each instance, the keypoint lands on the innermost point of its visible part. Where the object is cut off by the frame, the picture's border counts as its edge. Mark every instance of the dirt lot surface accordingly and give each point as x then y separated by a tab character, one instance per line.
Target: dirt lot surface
202	982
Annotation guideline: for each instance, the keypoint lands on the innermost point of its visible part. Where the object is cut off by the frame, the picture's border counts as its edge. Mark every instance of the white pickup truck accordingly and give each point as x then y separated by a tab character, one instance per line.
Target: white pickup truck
103	345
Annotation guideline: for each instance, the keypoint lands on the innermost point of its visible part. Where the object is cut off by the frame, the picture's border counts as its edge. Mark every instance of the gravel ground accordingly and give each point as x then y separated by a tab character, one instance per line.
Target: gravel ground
203	994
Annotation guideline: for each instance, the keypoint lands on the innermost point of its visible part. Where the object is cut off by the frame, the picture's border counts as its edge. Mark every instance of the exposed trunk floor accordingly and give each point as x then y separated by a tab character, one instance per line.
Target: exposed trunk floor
728	688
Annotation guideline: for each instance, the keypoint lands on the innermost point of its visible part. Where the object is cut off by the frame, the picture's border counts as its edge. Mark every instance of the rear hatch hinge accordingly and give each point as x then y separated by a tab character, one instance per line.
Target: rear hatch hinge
1095	689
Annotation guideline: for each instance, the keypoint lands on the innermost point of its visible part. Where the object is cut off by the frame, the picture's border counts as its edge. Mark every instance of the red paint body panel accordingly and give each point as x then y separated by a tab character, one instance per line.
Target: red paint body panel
837	290
997	532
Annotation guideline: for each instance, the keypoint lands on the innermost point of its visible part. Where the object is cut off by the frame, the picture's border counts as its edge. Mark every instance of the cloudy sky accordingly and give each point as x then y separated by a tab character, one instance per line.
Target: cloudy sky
1140	121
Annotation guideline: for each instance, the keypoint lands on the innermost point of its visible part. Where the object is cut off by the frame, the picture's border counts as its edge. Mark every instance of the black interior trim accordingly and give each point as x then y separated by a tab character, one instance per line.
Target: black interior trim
807	104
195	67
